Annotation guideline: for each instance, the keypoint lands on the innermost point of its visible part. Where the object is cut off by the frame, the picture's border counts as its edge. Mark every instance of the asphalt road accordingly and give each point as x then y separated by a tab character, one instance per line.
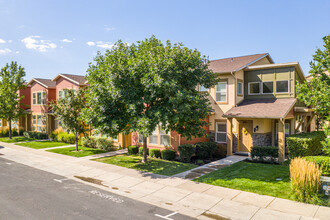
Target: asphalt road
28	193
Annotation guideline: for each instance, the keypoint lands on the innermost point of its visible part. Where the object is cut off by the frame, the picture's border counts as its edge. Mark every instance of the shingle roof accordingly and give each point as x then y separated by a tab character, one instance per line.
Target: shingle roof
262	108
234	63
48	83
78	78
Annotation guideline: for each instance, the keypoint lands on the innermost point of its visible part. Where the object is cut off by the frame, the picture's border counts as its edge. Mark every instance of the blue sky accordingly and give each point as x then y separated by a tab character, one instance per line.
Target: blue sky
56	36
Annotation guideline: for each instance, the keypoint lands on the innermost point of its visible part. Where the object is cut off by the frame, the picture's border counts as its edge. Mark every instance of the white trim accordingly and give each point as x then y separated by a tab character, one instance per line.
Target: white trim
221	82
262	87
276	86
249	89
222	132
37	81
254	61
241	82
65	77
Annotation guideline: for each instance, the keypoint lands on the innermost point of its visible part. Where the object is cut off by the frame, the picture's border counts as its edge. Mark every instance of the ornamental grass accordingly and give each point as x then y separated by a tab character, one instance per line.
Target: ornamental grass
305	180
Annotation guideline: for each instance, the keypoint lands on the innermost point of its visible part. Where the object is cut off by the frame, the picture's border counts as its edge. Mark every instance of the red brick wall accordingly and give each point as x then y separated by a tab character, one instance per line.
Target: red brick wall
63	83
26	101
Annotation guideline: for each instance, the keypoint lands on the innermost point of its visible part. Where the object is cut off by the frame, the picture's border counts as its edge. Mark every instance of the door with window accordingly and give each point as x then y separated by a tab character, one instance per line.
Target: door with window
246	139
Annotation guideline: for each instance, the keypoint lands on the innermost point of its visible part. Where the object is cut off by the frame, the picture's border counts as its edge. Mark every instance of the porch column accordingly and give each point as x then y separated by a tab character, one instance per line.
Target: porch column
281	141
229	136
239	127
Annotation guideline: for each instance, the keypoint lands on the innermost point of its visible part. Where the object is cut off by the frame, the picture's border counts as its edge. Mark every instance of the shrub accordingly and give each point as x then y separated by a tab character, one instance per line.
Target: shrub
141	151
105	144
132	150
322	161
305	144
264	153
88	142
186	151
205	150
69	138
168	154
221	151
14	132
305	180
54	134
20	131
4	132
36	135
155	153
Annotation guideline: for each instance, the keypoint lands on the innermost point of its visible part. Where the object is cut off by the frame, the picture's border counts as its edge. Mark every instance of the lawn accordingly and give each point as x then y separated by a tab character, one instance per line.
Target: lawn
83	151
253	177
16	139
42	144
157	166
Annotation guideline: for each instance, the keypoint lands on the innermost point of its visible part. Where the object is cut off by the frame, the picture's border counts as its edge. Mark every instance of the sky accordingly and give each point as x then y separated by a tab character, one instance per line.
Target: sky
48	37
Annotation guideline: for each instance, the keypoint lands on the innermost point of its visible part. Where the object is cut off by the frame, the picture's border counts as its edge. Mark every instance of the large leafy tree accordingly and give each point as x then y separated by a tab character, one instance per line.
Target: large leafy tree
137	87
12	80
68	111
316	93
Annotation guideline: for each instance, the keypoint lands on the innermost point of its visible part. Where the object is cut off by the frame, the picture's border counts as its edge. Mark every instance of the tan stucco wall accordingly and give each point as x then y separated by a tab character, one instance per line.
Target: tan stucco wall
265	125
261	62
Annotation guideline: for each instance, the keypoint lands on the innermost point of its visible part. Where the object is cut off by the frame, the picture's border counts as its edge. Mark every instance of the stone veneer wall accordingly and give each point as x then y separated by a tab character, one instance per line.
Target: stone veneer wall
235	142
262	139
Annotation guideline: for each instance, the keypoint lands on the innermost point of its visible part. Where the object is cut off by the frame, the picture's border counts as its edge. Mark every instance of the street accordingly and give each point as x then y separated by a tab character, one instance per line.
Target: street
28	193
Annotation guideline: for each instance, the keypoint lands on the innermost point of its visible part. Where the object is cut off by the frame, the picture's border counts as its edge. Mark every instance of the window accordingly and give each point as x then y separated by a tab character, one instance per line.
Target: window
267	87
39	123
114	138
15	124
140	138
221	92
60	95
39	98
239	88
221	132
254	88
153	139
282	86
165	138
63	93
203	89
158	137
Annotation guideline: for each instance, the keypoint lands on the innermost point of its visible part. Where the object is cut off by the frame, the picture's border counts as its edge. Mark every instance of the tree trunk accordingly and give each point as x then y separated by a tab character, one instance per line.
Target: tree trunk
144	158
9	123
76	141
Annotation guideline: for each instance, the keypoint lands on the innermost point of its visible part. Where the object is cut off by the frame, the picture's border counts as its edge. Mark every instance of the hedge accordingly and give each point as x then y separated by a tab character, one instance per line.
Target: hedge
264	153
141	151
186	151
4	132
88	142
305	144
133	150
155	153
98	142
34	134
205	150
322	161
168	154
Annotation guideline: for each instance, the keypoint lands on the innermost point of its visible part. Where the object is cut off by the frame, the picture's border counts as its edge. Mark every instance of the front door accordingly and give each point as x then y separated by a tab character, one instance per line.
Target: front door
246	140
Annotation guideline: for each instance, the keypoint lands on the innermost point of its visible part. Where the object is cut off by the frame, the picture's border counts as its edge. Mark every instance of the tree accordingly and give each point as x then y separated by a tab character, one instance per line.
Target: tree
137	87
316	93
11	82
68	111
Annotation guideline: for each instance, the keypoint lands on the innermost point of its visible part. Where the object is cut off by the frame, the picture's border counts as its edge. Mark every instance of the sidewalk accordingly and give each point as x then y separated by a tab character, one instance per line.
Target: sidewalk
198	200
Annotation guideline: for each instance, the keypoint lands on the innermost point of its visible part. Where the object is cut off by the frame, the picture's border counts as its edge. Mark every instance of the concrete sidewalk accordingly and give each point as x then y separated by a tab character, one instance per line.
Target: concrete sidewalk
198	200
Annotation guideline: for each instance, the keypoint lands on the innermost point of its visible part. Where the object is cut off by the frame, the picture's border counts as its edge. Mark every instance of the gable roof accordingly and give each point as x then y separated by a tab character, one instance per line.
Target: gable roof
47	83
234	64
77	79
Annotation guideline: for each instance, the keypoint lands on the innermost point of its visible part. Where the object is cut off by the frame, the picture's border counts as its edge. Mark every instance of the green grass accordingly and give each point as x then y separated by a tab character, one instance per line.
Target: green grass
42	144
16	139
157	166
83	151
252	177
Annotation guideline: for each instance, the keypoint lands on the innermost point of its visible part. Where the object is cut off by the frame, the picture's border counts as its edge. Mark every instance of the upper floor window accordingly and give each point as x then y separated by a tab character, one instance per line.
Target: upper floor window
63	93
39	98
221	92
282	86
268	87
254	88
202	89
239	88
221	132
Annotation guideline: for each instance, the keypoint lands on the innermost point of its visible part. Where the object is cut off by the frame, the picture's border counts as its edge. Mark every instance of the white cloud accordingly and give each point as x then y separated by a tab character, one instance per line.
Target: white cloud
33	42
90	43
4	51
109	29
67	41
2	41
17	52
10	41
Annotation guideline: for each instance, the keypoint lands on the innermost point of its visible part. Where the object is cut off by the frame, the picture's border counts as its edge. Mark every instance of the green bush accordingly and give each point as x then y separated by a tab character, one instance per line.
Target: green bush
168	154
264	153
105	144
205	150
155	153
61	136
186	151
141	151
322	161
36	135
5	132
133	150
305	144
89	142
69	138
221	151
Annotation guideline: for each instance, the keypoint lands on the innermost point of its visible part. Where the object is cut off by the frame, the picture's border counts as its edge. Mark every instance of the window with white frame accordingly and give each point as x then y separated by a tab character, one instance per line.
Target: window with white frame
153	139
15	124
165	138
254	88
221	132
239	88
39	98
268	87
63	93
159	137
282	86
221	92
39	123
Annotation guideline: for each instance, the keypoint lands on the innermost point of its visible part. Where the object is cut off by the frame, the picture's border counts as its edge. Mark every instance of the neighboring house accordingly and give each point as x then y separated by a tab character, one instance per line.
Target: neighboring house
43	91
